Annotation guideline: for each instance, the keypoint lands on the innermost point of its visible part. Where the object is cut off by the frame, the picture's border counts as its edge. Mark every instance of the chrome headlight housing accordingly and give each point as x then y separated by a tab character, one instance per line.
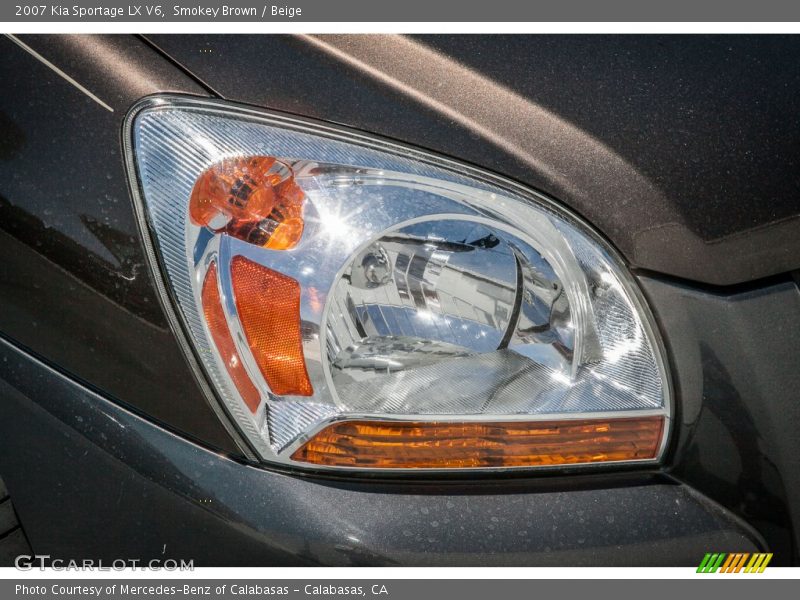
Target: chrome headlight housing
359	304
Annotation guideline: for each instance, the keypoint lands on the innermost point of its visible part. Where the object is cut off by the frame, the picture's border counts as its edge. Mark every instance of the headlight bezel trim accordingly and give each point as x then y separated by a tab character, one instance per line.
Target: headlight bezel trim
460	169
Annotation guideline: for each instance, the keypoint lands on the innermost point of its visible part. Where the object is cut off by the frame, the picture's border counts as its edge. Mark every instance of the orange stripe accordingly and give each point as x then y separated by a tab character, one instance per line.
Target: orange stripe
741	562
727	562
735	562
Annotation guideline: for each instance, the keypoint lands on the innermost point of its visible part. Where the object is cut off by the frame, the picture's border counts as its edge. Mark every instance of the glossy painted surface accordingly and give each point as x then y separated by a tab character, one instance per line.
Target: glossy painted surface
74	284
735	358
683	150
686	172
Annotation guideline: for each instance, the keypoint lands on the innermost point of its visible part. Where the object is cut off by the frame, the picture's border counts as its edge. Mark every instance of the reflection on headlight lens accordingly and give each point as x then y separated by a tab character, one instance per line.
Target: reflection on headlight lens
384	287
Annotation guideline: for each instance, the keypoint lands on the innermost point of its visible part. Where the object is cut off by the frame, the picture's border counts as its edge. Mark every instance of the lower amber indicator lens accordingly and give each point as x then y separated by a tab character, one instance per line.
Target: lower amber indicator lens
441	445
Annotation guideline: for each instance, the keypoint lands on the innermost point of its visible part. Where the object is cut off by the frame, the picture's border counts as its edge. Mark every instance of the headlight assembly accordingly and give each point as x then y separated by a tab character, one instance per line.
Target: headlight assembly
361	305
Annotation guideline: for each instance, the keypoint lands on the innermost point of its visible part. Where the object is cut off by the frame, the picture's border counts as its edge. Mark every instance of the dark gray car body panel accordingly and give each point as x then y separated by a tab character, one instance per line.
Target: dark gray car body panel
120	486
109	447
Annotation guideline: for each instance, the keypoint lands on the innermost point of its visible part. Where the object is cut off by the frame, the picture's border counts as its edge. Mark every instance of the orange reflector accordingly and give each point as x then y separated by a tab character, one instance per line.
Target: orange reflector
268	304
420	445
215	317
254	199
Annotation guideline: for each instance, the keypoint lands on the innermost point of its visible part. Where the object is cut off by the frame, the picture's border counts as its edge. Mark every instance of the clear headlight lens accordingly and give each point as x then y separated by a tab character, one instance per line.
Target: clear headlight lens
362	305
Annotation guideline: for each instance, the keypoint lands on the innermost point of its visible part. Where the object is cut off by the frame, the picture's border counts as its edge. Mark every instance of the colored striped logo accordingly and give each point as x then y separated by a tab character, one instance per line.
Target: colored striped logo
734	563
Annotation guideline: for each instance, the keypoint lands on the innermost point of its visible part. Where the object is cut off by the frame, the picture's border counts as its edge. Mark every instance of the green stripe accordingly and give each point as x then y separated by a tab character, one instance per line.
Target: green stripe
703	562
711	562
718	563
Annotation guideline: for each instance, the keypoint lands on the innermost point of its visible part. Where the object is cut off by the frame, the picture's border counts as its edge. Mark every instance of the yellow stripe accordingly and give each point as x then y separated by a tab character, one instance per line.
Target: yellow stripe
751	563
759	560
766	562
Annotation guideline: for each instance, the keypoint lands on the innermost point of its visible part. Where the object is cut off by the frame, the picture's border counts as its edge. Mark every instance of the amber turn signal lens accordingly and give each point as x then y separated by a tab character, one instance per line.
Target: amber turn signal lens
268	304
254	199
215	317
440	445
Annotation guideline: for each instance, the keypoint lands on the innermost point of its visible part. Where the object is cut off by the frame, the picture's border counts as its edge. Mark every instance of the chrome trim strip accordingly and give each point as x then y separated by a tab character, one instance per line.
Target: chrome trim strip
56	70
